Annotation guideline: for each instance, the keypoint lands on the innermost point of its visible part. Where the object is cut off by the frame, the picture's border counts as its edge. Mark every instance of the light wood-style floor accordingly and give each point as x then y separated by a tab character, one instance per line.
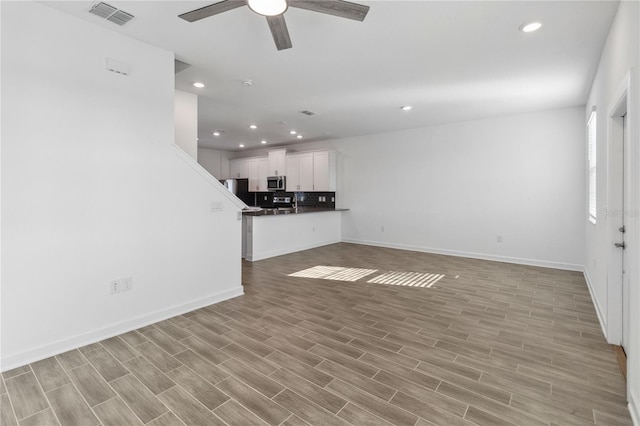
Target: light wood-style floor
489	343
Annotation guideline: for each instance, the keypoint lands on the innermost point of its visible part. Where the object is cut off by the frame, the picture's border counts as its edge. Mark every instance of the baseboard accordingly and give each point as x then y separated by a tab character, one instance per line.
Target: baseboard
472	255
596	304
266	255
46	351
634	408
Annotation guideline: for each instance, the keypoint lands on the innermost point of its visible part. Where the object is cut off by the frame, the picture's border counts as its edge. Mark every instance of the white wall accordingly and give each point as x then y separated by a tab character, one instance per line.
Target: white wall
214	161
186	122
454	188
620	54
94	189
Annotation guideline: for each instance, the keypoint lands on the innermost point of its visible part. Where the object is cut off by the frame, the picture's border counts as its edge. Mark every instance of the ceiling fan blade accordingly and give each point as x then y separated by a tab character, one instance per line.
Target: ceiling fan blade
341	8
279	31
212	9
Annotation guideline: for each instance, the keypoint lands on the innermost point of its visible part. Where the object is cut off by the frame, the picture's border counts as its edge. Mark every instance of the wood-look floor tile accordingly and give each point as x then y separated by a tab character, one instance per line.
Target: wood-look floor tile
119	349
140	399
199	388
316	394
357	416
88	348
293	351
330	343
364	383
167	419
258	404
149	375
294	420
26	395
402	372
164	341
91	384
172	329
50	374
158	357
205	350
380	408
3	387
7	417
432	412
16	372
252	377
72	359
300	368
607	419
43	418
207	336
115	412
307	410
210	372
233	413
384	353
133	338
358	366
481	417
250	358
70	407
190	411
253	345
106	364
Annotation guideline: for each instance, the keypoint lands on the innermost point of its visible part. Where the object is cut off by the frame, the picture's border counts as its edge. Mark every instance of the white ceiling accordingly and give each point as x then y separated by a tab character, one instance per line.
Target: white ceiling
450	60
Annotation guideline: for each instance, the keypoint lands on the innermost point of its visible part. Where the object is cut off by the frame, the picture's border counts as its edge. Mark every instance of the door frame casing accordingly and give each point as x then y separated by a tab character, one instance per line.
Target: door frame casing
614	212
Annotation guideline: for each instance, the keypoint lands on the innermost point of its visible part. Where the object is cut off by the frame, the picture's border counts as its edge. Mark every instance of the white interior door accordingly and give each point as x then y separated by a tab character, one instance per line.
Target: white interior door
625	209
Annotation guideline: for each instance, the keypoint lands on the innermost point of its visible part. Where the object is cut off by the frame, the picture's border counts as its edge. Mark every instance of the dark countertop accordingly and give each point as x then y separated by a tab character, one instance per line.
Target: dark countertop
281	211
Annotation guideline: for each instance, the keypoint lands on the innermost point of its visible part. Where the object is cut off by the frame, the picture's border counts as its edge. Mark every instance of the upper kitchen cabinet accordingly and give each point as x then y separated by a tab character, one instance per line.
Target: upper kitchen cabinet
324	171
258	174
238	168
300	172
311	171
277	162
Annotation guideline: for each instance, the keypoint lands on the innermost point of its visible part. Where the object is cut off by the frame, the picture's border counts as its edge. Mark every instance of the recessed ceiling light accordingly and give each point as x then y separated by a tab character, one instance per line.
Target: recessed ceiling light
530	27
406	108
241	145
253	126
263	142
216	133
299	136
293	132
198	84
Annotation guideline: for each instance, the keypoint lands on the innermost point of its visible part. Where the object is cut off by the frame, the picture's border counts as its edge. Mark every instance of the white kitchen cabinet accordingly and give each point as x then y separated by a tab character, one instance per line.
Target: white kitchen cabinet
300	172
258	169
277	162
311	171
324	171
238	168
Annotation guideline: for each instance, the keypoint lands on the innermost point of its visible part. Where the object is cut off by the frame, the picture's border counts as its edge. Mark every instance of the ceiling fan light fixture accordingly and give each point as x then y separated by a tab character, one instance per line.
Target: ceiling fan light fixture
268	7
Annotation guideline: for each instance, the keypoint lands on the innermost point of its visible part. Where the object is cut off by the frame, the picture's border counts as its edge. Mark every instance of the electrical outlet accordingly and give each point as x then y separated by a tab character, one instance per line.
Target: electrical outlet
127	284
499	238
115	286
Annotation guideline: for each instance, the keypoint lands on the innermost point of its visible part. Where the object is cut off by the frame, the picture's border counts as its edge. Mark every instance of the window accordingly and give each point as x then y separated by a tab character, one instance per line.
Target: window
591	130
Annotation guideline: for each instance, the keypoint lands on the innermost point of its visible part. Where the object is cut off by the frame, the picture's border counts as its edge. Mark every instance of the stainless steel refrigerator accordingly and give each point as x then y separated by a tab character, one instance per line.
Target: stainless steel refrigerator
240	188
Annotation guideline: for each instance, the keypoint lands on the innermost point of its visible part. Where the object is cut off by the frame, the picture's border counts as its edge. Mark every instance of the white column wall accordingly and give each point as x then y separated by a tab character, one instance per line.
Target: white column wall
94	189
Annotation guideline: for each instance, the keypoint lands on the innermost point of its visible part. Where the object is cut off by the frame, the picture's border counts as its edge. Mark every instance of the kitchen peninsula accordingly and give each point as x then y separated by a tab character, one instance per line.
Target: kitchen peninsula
273	232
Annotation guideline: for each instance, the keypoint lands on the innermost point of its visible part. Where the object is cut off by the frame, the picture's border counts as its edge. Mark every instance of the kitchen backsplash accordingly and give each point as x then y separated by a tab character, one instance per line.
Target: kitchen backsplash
307	199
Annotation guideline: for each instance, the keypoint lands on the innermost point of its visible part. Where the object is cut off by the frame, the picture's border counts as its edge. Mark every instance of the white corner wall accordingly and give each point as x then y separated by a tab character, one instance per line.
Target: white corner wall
94	189
214	161
621	54
186	122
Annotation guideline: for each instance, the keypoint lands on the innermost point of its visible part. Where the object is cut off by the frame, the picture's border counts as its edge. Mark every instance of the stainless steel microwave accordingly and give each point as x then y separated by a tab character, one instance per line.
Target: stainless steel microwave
276	183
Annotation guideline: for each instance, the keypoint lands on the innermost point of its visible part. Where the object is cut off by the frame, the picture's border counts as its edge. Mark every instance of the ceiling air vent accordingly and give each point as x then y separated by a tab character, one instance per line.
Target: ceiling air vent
306	112
111	13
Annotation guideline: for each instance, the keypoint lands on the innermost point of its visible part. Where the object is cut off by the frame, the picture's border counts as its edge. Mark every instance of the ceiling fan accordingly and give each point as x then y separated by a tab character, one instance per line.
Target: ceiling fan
274	10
